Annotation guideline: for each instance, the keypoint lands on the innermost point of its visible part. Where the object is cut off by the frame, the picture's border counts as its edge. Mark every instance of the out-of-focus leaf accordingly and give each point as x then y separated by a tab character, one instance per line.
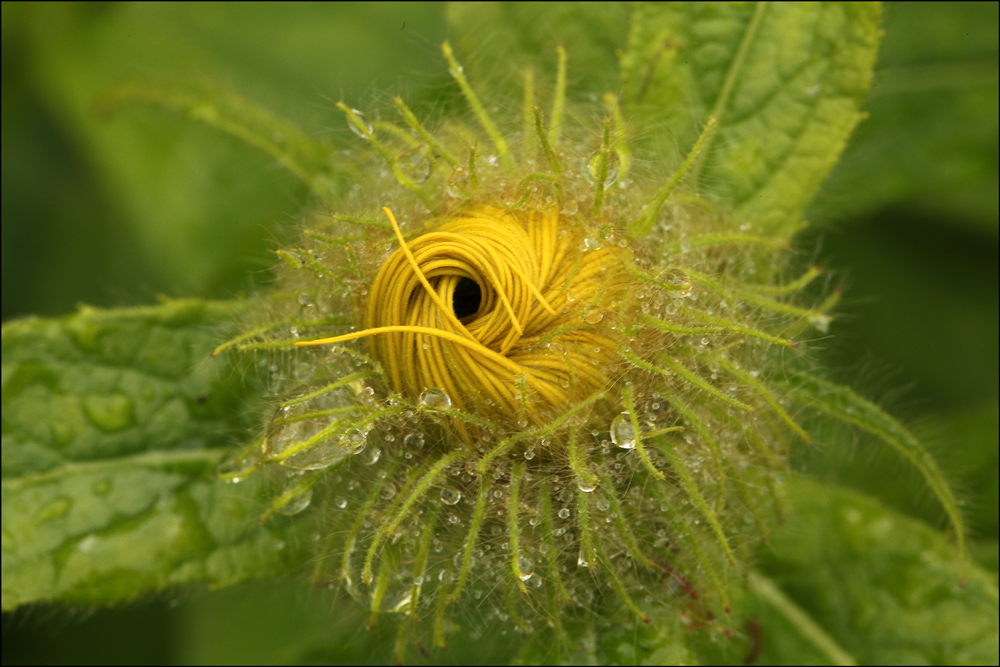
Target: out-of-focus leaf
930	144
113	425
202	208
498	39
855	581
786	82
311	161
886	587
844	404
288	621
922	300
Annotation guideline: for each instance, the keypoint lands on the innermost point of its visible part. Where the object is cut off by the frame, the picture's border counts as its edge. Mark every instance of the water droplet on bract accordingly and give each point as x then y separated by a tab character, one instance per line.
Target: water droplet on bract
389	490
529	453
526	567
821	323
498	494
371	456
232	471
622	433
564	513
593	317
522	423
341	503
450	496
581	559
570	207
304	299
321	455
298	503
679	282
354	441
458	185
364	122
603	505
586	485
593	166
414	440
433	397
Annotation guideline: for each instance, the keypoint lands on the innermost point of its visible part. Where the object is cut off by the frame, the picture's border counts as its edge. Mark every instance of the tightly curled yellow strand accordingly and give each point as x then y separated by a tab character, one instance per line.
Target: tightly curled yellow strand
533	276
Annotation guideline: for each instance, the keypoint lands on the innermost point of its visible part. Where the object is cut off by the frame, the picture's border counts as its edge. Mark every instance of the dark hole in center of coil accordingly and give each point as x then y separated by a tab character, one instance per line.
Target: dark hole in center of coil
466	298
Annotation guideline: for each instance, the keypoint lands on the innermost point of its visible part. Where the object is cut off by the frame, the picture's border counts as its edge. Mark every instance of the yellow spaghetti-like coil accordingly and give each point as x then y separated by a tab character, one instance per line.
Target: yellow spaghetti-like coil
534	278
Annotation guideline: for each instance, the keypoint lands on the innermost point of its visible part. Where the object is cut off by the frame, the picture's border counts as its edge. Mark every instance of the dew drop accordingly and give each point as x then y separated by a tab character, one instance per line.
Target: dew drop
526	567
298	503
586	485
570	207
435	398
593	165
593	317
354	441
603	505
110	413
364	122
821	323
450	496
622	433
678	282
414	440
564	513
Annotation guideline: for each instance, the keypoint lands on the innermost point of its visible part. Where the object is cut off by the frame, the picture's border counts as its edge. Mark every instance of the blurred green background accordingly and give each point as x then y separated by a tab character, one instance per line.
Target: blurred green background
112	212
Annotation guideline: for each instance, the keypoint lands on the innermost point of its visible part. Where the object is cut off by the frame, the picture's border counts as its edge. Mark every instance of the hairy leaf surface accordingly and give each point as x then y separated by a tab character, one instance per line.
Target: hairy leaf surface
785	81
113	425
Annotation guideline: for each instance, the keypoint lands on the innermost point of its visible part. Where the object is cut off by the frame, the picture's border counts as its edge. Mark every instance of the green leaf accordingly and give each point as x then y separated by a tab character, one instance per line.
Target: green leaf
884	586
785	81
113	425
498	39
930	144
310	160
